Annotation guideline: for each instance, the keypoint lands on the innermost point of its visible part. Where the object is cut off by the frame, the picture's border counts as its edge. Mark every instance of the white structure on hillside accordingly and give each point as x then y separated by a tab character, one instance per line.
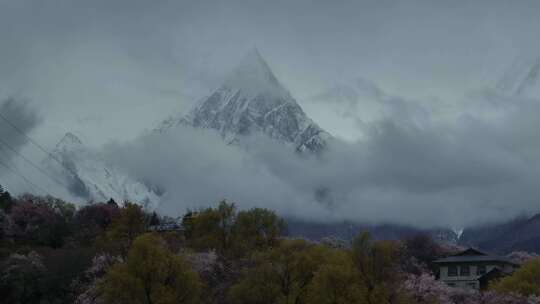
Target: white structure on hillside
473	269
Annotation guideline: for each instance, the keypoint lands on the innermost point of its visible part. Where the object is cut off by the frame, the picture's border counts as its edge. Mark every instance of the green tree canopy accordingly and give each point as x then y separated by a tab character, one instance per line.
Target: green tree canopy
377	266
337	281
257	229
281	275
231	233
211	228
6	202
124	229
525	281
151	275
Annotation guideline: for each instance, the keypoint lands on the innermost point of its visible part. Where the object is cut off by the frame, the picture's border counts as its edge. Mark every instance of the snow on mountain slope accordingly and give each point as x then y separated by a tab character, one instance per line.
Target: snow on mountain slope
251	101
90	178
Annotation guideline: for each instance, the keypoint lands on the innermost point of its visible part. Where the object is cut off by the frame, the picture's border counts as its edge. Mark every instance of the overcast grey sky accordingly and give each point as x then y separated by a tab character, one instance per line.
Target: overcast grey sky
90	63
109	69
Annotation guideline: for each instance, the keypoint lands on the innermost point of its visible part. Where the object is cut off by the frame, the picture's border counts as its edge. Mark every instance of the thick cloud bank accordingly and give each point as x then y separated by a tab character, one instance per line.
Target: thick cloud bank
20	116
17	120
108	69
480	164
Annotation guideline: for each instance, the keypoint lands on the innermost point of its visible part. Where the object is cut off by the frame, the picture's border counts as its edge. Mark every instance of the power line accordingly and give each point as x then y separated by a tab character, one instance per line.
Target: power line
40	147
22	133
31	163
36	187
17	172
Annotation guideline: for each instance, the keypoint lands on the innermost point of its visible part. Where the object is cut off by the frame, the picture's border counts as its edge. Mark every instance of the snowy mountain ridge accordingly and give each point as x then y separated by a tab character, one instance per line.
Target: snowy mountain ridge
251	101
91	178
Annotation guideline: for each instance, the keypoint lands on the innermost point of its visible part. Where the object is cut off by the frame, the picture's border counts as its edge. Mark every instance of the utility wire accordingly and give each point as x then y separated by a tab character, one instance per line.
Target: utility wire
32	163
22	133
36	187
40	147
18	172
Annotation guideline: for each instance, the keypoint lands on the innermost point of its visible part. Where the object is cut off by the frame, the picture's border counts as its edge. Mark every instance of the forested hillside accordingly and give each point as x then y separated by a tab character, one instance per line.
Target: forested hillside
53	252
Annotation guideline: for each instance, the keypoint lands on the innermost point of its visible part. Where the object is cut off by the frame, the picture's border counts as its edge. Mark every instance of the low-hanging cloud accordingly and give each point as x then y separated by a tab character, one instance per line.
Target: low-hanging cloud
416	161
17	119
196	168
455	172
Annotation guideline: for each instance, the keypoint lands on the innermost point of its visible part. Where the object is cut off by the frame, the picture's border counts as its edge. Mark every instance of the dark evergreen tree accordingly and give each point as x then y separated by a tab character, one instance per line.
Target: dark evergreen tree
6	202
112	202
154	219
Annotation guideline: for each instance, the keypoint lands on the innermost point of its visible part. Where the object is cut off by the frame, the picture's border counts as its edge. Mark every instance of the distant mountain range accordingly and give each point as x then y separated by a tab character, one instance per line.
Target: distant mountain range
518	234
252	101
348	230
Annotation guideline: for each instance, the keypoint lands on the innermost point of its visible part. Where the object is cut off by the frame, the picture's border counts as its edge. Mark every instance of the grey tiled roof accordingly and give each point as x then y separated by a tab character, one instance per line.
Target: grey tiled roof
474	258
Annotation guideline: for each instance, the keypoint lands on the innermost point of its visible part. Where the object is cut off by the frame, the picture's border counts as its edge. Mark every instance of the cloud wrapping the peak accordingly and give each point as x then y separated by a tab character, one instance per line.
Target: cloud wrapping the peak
455	172
109	69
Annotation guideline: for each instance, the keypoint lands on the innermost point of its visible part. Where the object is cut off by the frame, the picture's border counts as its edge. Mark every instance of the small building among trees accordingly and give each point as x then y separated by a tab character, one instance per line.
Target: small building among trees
473	269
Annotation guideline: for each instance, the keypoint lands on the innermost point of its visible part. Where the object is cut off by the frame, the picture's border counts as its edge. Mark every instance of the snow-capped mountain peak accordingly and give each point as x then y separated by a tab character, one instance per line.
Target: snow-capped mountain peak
251	101
89	177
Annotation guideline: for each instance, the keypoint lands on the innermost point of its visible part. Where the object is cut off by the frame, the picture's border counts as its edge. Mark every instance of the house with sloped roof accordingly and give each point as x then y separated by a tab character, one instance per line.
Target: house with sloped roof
473	269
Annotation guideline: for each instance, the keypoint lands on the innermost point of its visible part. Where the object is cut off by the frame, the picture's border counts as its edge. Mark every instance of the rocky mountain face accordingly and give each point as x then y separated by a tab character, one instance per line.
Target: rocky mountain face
89	177
520	234
252	101
347	231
